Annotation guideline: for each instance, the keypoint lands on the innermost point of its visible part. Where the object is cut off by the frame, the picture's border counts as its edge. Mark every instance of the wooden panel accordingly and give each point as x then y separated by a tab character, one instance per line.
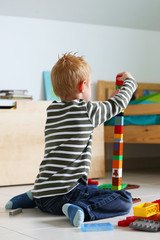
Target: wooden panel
105	88
142	109
22	143
135	134
98	167
146	86
149	86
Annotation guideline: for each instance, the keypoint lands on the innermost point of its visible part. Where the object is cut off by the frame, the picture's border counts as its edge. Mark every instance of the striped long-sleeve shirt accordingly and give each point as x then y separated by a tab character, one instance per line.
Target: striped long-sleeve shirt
68	140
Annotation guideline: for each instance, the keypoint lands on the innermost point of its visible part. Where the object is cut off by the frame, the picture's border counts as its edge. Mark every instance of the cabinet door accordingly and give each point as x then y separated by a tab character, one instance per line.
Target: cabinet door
22	143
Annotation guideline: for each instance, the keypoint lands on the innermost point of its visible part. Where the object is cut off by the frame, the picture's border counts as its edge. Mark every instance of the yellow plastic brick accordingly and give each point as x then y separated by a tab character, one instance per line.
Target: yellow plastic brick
116	187
146	209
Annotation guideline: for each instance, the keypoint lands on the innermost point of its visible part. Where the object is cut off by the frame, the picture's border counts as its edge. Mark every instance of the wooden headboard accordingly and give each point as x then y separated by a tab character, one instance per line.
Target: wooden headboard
105	88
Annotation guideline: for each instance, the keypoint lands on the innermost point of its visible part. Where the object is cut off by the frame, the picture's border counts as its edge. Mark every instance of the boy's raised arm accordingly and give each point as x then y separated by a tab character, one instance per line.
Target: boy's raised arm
100	112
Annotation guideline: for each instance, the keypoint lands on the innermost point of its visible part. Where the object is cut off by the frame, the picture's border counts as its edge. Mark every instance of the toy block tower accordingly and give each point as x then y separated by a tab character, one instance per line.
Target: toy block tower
118	148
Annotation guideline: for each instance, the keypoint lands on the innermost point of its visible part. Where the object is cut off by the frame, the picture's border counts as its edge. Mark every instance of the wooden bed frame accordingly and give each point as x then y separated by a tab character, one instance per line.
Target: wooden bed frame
132	133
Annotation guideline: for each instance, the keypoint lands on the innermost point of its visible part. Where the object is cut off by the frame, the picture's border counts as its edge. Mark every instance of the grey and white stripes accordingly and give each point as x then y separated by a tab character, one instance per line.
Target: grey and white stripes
68	139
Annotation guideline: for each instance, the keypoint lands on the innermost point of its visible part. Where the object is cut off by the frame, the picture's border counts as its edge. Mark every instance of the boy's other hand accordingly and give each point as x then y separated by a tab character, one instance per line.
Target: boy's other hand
122	76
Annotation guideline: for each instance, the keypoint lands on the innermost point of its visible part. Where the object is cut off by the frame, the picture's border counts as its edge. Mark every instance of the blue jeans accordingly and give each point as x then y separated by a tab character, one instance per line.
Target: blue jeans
96	203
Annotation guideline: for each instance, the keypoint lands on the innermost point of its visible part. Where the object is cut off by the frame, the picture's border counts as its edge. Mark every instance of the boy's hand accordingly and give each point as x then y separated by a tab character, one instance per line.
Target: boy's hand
122	76
114	93
120	79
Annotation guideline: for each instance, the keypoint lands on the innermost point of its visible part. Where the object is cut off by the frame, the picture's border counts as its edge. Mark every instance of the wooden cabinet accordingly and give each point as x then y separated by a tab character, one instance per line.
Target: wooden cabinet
22	143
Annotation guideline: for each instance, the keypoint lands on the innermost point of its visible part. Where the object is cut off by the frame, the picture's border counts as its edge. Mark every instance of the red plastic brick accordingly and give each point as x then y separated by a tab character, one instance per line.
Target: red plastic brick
116	181
91	182
119	83
127	221
118	129
157	201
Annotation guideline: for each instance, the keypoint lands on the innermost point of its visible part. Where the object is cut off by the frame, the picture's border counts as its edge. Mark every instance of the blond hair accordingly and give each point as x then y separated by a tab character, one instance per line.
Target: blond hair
67	73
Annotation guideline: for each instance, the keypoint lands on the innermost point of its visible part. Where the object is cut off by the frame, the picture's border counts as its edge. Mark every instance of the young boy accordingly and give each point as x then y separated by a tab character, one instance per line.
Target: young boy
61	185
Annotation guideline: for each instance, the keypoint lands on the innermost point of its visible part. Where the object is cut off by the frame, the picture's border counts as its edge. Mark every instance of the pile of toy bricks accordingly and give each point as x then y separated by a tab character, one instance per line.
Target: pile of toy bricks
146	217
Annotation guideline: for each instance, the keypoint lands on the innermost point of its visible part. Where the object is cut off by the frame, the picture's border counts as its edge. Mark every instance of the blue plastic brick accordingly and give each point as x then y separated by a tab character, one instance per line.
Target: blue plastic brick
95	227
93	185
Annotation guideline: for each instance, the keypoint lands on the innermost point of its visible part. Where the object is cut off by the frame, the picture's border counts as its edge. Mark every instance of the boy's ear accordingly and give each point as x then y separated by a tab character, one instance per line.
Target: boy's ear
82	86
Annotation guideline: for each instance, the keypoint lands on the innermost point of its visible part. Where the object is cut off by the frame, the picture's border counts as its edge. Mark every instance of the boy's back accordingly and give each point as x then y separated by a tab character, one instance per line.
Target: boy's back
68	138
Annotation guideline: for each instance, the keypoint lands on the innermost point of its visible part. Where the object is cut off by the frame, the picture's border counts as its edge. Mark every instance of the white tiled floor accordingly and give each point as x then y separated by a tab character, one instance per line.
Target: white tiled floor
33	224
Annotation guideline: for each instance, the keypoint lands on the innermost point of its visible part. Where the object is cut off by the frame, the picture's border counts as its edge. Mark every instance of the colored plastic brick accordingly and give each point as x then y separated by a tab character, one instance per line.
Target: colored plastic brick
92	182
116	187
145	225
119	136
157	201
118	129
117	164
124	186
93	185
109	186
116	181
120	140
15	211
154	217
118	87
118	149
146	209
127	221
119	83
135	200
95	227
132	186
119	120
120	157
117	172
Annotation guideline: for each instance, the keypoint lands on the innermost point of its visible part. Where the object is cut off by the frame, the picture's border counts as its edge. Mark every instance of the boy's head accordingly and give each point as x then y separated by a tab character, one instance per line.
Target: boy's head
70	76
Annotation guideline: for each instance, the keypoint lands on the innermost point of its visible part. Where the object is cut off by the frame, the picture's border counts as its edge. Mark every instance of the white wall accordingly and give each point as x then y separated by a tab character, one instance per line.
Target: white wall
30	46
